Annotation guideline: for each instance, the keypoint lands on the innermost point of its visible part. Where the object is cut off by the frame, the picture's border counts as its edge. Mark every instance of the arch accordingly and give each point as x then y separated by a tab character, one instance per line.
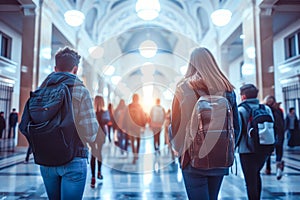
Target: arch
203	20
90	21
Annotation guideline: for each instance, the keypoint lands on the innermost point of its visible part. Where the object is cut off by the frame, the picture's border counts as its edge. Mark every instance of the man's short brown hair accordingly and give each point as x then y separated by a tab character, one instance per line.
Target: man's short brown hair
249	90
66	59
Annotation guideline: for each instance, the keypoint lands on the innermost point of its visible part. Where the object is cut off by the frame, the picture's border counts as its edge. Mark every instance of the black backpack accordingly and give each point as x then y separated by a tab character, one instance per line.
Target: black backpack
260	127
51	129
213	139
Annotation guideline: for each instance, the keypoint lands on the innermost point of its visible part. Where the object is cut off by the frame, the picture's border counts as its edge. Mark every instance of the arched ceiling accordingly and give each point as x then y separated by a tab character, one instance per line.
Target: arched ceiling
180	26
116	17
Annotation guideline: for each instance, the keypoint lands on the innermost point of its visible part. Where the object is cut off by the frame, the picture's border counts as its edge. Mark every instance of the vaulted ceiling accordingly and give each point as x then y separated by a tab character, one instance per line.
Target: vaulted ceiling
180	26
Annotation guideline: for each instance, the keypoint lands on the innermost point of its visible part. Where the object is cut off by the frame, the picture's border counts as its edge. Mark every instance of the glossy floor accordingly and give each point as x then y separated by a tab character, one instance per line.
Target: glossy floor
153	176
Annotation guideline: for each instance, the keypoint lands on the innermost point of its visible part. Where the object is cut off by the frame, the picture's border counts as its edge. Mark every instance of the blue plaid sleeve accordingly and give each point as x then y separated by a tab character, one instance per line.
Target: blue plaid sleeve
84	114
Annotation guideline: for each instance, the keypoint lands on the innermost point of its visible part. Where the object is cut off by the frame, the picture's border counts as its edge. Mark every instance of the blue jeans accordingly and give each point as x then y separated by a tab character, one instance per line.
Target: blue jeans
66	181
199	186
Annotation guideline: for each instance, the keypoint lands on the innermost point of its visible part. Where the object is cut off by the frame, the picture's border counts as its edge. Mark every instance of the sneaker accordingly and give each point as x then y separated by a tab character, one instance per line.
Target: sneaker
93	182
279	172
99	176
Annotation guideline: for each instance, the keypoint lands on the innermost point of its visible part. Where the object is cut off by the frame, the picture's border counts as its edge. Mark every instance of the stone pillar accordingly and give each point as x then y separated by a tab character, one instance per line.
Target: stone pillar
28	61
265	69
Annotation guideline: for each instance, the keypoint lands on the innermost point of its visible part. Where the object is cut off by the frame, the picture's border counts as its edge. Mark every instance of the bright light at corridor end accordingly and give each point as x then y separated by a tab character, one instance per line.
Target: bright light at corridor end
147	9
221	17
74	17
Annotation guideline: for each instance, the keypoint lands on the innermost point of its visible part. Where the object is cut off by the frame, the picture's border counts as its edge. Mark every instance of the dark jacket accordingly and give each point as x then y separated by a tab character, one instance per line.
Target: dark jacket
182	108
2	123
242	143
83	111
13	119
287	123
278	125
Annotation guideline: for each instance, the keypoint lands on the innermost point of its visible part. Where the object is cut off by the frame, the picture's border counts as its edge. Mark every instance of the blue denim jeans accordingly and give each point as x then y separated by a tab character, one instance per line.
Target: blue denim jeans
199	186
66	181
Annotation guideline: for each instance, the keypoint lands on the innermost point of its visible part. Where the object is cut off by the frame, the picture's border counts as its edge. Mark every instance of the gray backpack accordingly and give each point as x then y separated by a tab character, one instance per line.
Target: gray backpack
213	139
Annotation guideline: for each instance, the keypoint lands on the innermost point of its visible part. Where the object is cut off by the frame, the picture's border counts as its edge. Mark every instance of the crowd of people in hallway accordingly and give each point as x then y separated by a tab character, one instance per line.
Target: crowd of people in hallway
204	128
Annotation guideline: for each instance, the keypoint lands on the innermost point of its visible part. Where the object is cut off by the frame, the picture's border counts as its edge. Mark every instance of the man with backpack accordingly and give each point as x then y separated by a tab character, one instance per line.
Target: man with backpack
256	140
58	120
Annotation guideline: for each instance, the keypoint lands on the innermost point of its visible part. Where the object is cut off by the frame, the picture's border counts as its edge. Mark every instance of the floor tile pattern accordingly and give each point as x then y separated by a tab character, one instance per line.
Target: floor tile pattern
153	176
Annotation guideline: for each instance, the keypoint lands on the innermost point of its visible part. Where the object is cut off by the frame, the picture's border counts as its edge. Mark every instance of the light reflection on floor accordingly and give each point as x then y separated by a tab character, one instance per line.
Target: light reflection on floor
157	176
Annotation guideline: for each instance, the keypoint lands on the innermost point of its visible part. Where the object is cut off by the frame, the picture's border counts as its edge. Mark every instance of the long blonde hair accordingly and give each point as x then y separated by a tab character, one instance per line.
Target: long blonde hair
204	73
98	103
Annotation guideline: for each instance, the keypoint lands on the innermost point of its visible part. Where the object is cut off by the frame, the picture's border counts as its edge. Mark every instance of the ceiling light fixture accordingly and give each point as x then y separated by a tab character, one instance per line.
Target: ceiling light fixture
221	17
250	51
74	17
115	79
148	49
147	9
109	70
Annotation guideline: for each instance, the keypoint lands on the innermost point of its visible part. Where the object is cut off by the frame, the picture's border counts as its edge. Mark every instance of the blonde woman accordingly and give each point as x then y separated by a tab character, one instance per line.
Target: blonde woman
203	76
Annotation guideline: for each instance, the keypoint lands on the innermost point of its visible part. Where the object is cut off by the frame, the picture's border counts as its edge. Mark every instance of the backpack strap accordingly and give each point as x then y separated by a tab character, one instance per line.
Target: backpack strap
247	108
196	93
244	118
261	106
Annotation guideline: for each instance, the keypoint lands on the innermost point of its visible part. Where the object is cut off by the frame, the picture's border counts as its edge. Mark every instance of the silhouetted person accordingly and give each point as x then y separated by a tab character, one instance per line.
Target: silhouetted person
292	127
13	120
119	115
279	136
2	125
135	119
157	116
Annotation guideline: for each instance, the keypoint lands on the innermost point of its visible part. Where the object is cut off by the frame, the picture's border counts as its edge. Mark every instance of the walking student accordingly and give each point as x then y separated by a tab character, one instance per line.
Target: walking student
13	120
119	115
103	118
134	121
203	77
2	125
292	128
279	136
157	118
252	154
62	181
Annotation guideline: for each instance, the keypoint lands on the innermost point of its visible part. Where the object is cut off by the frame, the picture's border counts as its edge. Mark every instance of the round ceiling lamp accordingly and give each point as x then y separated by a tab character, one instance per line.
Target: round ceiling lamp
115	79
109	70
221	17
147	9
148	49
74	17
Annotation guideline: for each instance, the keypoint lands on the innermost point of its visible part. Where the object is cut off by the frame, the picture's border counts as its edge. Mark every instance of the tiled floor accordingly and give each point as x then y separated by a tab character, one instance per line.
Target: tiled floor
154	176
